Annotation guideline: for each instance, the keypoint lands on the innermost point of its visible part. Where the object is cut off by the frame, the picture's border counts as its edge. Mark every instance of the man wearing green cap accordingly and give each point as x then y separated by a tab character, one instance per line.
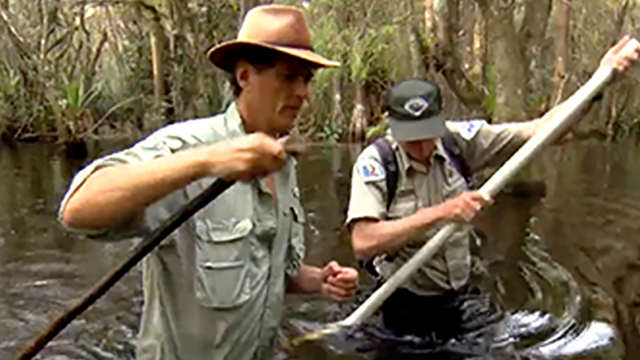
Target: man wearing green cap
215	289
407	185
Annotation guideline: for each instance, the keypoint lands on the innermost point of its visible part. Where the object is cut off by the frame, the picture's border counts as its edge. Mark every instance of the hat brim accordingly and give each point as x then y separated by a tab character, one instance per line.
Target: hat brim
414	130
222	57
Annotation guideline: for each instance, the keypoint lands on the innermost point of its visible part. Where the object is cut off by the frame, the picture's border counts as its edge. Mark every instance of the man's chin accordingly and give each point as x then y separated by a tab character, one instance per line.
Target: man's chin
285	126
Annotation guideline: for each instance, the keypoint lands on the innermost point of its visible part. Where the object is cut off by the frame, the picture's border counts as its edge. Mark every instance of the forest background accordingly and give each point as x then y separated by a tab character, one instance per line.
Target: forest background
76	70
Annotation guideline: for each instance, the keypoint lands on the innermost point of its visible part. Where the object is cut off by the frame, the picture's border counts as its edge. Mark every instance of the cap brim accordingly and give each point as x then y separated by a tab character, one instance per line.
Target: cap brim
222	57
414	130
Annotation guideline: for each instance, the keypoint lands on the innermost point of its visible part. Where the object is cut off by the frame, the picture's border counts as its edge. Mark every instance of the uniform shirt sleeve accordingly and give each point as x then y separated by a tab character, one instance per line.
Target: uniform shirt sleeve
484	145
296	249
368	188
161	143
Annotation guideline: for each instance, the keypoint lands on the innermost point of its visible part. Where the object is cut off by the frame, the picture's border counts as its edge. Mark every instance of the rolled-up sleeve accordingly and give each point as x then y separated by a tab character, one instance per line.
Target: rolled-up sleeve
489	145
368	188
156	145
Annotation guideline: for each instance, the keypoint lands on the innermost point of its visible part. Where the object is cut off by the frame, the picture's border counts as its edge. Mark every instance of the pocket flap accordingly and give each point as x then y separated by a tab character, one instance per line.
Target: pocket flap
224	231
209	265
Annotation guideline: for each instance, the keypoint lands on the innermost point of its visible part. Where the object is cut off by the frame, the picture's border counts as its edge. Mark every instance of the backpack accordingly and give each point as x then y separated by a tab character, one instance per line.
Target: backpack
390	163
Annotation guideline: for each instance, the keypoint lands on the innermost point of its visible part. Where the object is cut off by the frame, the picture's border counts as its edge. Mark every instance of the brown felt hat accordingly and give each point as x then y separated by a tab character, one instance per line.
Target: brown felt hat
277	27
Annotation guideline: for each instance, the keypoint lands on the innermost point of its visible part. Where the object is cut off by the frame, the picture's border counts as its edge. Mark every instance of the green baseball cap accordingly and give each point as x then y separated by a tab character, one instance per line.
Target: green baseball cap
414	110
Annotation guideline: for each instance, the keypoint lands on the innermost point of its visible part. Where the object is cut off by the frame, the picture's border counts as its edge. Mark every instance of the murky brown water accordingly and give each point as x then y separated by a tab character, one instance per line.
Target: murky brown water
581	260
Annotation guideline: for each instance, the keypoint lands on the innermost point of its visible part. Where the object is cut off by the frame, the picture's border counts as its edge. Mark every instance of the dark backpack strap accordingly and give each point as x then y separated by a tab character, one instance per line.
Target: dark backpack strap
390	165
454	152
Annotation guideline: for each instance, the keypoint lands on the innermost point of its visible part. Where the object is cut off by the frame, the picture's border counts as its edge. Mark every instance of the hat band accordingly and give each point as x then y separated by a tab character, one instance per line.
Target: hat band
300	47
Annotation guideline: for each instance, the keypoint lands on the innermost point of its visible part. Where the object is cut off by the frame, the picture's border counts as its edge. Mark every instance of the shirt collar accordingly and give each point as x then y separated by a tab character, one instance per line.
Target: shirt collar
405	163
233	121
234	126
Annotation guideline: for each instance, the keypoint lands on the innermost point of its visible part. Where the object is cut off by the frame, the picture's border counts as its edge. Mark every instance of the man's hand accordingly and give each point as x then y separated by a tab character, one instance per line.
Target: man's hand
621	55
339	283
464	207
247	157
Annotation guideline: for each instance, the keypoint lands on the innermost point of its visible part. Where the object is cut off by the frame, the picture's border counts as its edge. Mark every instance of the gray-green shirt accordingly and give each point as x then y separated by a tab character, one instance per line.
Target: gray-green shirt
215	289
420	186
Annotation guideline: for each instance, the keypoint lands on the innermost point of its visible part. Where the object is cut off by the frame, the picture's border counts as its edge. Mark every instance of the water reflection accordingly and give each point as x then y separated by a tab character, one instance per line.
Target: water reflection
572	252
43	268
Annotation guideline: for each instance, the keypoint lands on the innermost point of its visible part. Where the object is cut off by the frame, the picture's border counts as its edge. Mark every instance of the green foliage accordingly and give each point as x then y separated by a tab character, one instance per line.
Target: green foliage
76	98
377	130
329	133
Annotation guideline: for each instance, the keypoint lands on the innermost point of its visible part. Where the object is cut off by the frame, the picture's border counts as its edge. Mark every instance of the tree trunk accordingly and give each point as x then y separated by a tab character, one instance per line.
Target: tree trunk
157	38
44	29
358	124
447	59
532	37
483	55
429	18
609	106
563	29
467	29
178	93
505	55
416	59
534	25
93	64
337	116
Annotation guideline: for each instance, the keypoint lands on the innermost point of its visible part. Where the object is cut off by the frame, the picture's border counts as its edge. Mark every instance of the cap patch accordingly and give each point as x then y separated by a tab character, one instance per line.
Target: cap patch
416	106
370	169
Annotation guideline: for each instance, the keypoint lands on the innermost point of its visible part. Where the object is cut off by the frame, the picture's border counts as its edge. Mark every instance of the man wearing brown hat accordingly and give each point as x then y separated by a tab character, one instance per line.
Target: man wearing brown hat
407	185
215	289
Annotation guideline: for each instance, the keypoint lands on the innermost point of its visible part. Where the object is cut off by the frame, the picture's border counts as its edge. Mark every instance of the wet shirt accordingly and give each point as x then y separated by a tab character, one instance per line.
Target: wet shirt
215	288
419	186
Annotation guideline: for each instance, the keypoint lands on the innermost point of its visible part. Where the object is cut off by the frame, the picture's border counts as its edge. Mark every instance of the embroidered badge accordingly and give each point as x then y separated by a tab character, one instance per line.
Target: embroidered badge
469	129
416	106
370	170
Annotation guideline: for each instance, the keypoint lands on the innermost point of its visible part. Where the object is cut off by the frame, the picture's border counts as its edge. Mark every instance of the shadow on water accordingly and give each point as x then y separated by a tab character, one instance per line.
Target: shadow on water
562	265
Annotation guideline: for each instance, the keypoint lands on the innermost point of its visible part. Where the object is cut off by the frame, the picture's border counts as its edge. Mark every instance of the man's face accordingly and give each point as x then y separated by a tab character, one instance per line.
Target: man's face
420	150
274	96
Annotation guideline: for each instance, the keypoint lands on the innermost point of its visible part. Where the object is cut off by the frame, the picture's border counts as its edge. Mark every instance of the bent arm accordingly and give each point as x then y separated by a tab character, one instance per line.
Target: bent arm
530	128
117	194
371	237
619	58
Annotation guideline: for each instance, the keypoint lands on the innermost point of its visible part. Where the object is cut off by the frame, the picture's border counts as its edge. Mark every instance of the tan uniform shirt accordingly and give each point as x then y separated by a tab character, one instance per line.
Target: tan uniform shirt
482	145
215	289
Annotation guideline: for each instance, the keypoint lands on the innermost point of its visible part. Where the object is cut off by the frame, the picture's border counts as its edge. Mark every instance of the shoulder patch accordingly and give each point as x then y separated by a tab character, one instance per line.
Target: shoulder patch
370	169
469	129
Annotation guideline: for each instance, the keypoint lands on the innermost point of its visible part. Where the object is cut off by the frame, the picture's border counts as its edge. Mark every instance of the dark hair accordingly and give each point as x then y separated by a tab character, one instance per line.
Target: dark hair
259	57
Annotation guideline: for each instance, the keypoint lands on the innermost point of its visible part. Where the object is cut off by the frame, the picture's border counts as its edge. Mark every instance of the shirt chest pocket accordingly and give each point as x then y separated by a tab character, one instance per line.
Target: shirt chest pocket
453	183
404	203
222	278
